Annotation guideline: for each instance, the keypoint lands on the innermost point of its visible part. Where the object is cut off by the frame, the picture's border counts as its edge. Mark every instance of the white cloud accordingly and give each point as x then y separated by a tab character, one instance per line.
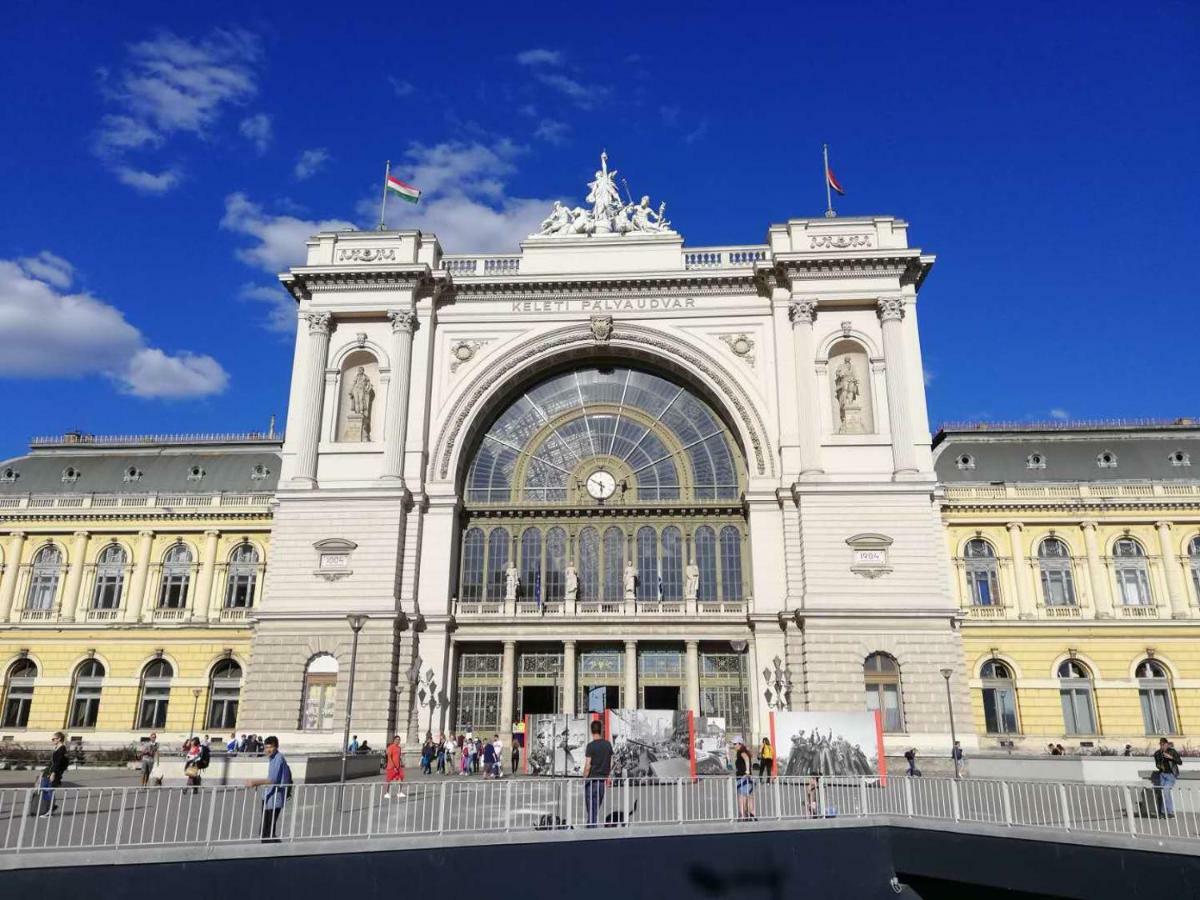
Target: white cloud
401	87
49	331
257	130
281	239
147	182
540	56
585	96
281	307
121	133
1060	414
309	162
552	131
697	133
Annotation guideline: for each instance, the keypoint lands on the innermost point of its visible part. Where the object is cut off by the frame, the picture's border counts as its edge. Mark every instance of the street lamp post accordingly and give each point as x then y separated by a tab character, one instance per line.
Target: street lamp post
356	621
946	673
196	692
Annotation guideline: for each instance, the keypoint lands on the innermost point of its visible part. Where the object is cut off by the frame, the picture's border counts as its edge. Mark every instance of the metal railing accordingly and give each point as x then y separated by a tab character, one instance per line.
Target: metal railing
124	817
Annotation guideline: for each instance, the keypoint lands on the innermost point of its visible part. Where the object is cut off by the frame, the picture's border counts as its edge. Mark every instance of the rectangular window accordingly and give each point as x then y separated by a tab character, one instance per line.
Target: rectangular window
153	710
108	591
222	708
319	691
886	699
16	707
239	594
983	588
1133	587
85	709
999	710
1057	587
1077	711
1156	711
42	589
173	594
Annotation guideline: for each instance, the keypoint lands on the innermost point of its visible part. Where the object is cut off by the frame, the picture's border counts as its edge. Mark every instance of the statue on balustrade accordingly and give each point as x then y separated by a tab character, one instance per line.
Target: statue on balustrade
630	580
691	580
608	215
512	581
571	579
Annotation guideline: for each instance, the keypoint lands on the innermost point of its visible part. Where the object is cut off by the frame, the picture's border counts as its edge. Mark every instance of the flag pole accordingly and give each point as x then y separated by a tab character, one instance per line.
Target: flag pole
387	173
829	213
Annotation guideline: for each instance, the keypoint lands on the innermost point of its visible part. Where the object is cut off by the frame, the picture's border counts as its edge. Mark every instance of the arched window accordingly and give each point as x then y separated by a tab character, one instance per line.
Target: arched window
85	695
731	563
18	693
242	577
1154	694
556	565
706	561
1194	562
110	578
176	577
1133	579
589	564
982	573
1078	703
471	588
498	541
672	563
43	581
614	564
320	688
1054	563
999	698
647	563
224	692
882	677
531	564
156	694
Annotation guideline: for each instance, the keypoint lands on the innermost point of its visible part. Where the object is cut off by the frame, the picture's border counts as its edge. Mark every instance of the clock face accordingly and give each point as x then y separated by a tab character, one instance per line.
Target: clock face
601	484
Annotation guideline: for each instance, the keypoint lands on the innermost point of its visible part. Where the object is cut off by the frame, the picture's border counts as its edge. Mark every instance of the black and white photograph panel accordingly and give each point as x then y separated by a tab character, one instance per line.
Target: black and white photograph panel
710	745
827	743
650	743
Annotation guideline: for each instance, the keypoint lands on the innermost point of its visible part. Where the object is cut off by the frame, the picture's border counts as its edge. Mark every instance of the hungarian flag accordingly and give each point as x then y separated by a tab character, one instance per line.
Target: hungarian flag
833	182
410	193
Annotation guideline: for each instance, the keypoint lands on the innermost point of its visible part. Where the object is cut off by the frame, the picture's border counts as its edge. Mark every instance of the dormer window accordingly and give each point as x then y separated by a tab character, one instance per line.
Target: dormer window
259	473
133	473
195	473
70	475
1035	461
1106	459
9	475
966	462
1179	458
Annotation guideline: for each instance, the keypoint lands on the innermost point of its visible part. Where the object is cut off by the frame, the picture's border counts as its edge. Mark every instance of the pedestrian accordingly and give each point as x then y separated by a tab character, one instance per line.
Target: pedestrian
441	754
451	754
394	770
148	754
464	752
1128	750
353	746
515	764
597	764
191	764
231	745
51	776
1060	750
1052	750
489	760
427	756
498	753
474	754
743	765
956	754
1166	767
766	759
278	787
910	756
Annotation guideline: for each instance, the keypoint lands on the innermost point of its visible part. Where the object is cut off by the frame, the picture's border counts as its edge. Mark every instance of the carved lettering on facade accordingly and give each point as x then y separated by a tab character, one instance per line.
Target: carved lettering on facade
623	304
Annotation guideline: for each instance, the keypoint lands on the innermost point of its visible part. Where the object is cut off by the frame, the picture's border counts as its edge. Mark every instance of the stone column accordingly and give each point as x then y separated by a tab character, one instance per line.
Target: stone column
693	677
803	312
508	681
308	420
1175	586
630	701
1025	602
74	583
891	315
137	582
12	573
204	580
1101	597
404	322
569	689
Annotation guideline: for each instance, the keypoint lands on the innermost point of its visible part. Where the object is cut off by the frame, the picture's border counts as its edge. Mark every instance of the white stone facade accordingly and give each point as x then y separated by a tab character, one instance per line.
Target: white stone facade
844	555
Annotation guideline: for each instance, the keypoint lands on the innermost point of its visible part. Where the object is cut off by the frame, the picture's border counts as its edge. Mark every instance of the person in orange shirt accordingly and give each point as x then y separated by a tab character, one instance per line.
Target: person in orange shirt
394	771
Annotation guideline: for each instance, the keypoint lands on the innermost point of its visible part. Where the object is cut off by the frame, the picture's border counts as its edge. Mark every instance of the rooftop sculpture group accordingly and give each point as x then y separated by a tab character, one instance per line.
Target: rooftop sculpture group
608	215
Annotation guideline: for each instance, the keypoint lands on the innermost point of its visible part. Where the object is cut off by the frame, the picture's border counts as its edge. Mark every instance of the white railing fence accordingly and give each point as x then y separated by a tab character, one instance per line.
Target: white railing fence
125	817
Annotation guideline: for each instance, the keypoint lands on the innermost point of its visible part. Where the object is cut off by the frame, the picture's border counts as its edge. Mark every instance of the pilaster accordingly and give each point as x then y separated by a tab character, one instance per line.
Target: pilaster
803	312
693	676
1175	587
74	582
508	681
12	572
204	579
569	689
1101	596
141	571
631	693
1020	569
891	315
404	322
308	417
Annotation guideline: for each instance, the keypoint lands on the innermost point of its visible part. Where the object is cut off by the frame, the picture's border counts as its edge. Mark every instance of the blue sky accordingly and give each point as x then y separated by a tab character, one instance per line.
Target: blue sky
157	167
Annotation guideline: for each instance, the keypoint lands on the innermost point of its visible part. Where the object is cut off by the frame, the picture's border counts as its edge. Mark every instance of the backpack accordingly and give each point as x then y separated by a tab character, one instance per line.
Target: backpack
202	763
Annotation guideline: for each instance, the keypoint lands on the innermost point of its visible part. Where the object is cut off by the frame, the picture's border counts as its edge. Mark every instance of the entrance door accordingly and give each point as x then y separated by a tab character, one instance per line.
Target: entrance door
538	699
608	695
661	696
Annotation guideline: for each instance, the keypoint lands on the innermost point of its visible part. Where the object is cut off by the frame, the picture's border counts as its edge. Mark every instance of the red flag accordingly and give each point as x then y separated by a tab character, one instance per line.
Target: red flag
833	182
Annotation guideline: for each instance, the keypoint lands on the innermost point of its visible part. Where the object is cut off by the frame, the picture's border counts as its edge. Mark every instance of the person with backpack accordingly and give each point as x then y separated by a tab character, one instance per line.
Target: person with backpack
1166	771
277	789
191	764
910	756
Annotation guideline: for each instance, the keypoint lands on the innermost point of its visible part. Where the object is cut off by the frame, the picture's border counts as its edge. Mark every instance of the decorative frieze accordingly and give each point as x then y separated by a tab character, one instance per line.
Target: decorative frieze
839	241
367	254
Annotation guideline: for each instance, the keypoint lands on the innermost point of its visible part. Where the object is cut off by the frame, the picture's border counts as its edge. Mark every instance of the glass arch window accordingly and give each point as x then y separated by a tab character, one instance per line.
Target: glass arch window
1054	565
320	690
647	563
1154	696
19	681
1194	564
242	577
43	579
882	676
110	578
706	562
983	573
224	693
556	565
672	563
498	542
85	694
531	564
156	694
999	698
614	564
731	563
1133	579
589	564
471	587
1075	690
176	577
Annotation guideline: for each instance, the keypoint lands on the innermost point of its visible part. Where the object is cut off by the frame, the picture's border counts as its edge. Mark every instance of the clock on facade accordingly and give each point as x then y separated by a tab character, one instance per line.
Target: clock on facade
601	484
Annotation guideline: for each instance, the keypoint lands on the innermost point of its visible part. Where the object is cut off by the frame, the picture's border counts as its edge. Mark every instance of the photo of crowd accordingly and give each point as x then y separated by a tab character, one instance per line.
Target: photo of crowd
827	743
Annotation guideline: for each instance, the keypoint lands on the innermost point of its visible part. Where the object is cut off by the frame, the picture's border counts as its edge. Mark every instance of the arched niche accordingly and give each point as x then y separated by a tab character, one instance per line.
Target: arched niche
360	410
850	388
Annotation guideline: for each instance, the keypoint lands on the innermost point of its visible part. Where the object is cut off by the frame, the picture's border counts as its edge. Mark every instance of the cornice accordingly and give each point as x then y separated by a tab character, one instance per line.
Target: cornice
909	266
302	281
70	517
698	283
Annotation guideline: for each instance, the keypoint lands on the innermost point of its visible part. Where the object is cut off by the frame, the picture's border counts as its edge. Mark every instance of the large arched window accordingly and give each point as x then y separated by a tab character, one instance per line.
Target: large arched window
1194	564
982	573
1133	578
614	563
176	577
1076	692
882	677
1154	695
471	587
19	681
85	694
731	563
242	577
531	564
647	563
43	579
320	688
156	694
1054	563
672	563
706	561
224	692
589	564
110	578
498	542
556	565
999	698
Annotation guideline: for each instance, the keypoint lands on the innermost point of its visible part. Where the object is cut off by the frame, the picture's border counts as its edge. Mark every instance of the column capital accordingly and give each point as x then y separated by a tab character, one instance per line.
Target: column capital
145	532
1014	526
569	644
631	645
510	645
403	320
890	308
212	532
1088	524
82	534
1163	525
17	534
802	311
691	644
318	322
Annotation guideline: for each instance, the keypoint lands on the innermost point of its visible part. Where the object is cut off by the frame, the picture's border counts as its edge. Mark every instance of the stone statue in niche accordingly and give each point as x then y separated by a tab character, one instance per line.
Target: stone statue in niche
691	580
571	578
630	580
848	390
511	582
362	397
